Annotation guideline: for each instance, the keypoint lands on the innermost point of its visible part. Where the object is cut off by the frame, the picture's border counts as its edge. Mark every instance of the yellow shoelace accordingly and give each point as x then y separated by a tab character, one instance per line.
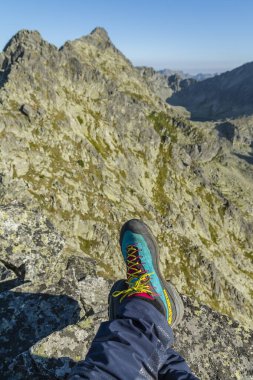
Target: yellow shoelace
139	285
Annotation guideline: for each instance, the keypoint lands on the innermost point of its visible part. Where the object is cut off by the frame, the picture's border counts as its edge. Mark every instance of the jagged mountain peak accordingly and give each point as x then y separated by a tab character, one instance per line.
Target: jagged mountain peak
25	46
23	37
98	38
100	32
32	38
87	57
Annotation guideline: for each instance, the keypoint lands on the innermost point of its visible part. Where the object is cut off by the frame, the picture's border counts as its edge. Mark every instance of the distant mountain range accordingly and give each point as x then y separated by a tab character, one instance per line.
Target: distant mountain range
224	96
183	75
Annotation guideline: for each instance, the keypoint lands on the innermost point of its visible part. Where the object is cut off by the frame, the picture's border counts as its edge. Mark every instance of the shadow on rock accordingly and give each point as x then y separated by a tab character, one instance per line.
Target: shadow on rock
33	367
226	130
248	159
26	318
10	284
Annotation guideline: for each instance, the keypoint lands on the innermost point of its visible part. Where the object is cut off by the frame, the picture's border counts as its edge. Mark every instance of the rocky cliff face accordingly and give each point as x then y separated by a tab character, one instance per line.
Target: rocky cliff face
157	81
85	145
165	83
224	96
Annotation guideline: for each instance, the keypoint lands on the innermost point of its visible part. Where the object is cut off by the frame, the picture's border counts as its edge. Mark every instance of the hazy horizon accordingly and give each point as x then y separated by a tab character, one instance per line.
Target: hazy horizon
191	69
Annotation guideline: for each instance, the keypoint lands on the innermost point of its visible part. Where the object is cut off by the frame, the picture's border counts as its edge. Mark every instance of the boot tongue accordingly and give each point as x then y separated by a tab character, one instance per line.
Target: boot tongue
135	264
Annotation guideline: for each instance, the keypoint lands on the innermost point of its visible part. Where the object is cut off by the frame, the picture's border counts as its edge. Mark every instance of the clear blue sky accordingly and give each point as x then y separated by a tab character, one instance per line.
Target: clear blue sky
191	35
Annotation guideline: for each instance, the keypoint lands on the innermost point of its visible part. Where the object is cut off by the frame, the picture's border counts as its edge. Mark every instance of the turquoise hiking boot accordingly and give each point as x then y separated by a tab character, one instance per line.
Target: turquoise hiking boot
144	279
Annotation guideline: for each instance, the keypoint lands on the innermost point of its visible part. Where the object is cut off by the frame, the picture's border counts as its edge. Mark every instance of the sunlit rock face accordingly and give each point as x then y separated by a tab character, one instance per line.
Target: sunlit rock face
85	144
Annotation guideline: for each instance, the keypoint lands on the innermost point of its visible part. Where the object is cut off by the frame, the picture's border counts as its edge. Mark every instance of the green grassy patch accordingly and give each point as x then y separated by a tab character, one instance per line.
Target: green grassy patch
213	233
80	119
101	147
81	163
163	125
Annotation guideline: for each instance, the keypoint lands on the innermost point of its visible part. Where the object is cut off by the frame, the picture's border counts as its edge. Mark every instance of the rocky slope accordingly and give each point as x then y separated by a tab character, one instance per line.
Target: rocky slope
85	145
224	96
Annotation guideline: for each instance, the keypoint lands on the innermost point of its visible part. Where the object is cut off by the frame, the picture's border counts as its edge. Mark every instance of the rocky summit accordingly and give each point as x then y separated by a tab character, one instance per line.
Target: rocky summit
87	141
